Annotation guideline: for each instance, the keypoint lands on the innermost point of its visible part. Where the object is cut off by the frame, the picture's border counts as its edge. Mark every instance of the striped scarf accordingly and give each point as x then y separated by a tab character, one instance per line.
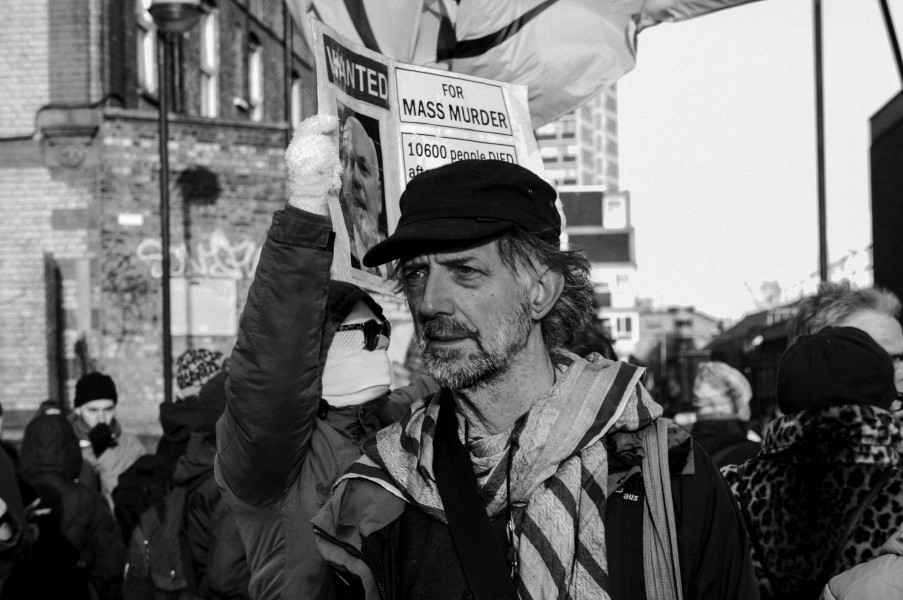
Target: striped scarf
558	471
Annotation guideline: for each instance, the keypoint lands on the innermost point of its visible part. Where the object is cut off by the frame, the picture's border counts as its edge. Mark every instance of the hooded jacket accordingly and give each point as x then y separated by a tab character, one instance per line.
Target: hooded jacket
878	579
221	569
178	420
220	566
281	447
50	461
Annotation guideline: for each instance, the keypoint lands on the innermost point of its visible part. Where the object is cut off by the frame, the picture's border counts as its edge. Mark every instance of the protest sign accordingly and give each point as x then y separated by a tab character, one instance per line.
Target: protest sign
397	120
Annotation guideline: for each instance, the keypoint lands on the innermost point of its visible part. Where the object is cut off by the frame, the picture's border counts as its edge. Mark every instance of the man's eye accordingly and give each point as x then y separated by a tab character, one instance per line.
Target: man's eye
415	275
465	271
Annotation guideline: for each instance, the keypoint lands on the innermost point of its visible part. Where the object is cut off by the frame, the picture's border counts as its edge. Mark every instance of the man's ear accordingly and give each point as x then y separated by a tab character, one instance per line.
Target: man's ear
545	291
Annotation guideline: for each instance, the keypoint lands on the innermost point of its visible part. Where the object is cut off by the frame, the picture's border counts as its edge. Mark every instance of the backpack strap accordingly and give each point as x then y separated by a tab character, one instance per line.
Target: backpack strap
479	550
853	522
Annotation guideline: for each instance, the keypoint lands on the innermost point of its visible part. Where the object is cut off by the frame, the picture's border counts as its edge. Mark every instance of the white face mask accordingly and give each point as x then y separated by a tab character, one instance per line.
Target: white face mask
352	374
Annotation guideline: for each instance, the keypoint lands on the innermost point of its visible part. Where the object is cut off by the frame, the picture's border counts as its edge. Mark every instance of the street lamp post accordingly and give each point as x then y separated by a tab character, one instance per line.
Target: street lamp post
171	18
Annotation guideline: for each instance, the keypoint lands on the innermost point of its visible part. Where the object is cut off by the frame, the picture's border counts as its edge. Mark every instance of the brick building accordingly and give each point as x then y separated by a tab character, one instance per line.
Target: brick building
79	186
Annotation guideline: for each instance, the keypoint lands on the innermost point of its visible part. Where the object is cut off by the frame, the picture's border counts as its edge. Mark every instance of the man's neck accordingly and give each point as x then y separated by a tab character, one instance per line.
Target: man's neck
496	406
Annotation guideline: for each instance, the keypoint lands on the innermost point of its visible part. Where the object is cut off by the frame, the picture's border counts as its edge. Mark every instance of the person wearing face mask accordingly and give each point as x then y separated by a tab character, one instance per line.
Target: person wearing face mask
107	450
309	380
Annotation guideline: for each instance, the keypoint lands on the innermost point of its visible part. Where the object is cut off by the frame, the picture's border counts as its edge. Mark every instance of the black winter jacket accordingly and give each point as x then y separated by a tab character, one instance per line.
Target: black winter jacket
280	448
50	461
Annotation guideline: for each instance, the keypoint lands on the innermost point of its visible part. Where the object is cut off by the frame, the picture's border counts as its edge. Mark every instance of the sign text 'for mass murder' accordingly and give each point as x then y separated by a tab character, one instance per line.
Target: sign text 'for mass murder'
435	99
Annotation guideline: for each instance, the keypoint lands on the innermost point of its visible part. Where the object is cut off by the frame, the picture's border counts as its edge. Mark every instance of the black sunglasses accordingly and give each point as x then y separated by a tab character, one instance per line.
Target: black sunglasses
372	330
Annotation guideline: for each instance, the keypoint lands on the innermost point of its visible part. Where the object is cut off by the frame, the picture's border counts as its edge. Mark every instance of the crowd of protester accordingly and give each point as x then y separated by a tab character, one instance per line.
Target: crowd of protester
526	461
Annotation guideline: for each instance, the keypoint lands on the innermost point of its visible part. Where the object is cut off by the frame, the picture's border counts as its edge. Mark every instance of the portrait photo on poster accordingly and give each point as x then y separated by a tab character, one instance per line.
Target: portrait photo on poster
362	197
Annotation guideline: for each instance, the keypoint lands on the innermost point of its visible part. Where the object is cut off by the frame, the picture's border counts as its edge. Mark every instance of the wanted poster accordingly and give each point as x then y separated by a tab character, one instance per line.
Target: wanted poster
397	120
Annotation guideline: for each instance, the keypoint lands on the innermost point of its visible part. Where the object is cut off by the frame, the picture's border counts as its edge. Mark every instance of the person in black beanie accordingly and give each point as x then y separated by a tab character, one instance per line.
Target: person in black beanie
826	489
107	450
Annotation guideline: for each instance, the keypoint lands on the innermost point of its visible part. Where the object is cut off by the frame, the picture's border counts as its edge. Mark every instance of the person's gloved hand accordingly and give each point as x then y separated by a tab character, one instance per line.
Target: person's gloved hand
314	168
101	438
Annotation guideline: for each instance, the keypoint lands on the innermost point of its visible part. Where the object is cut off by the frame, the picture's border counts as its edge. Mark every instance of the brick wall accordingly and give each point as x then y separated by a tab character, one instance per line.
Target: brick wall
77	208
69	53
45	226
23	65
227	180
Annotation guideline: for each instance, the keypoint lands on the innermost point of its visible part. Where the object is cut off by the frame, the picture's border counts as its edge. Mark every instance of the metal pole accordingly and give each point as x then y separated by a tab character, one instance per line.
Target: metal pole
164	61
820	143
288	33
892	34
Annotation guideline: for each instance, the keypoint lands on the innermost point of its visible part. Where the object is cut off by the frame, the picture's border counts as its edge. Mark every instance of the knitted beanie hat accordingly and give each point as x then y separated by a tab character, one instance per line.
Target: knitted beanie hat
95	386
721	392
836	366
194	367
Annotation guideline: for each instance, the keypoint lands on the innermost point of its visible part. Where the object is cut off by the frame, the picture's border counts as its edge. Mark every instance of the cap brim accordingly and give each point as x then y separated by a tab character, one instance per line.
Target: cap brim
433	234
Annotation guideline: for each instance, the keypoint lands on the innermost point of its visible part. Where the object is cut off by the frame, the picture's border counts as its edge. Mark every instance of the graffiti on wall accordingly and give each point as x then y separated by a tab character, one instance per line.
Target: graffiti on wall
132	306
216	256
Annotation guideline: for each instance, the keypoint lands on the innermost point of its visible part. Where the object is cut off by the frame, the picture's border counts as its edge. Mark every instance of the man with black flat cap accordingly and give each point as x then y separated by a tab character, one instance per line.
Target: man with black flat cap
532	473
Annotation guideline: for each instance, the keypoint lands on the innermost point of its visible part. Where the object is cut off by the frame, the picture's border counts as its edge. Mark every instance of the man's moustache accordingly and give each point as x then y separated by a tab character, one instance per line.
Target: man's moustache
447	328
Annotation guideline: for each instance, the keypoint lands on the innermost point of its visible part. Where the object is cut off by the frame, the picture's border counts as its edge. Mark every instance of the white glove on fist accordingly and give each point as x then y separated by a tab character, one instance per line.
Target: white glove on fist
314	168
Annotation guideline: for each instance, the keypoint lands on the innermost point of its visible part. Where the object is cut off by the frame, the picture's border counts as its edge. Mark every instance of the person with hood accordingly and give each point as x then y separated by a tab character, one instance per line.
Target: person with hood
721	396
308	381
149	477
78	540
826	489
194	368
221	569
107	450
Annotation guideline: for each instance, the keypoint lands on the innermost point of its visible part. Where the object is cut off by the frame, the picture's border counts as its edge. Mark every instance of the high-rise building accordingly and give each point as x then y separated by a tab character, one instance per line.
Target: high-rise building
581	148
580	155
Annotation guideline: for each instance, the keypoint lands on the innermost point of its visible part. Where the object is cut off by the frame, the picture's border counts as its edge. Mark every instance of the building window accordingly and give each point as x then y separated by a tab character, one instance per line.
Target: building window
614	212
209	65
297	115
602	299
255	79
624	327
147	48
568	127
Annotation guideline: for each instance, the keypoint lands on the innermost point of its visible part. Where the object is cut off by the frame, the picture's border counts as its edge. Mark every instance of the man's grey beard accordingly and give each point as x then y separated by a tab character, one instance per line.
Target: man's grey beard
461	369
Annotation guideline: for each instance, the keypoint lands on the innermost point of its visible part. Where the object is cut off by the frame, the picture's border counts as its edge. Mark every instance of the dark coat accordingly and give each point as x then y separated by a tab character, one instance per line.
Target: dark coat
221	569
725	440
178	420
280	448
414	554
50	461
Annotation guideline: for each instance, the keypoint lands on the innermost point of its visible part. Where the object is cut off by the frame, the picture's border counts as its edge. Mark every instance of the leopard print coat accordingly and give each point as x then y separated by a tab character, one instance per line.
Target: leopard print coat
815	468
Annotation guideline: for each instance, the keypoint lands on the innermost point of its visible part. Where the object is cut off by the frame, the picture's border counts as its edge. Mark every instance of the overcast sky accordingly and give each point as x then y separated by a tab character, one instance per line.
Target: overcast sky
717	146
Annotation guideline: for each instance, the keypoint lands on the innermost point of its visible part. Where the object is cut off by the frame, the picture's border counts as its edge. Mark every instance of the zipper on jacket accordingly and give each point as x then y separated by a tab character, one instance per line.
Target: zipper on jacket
356	554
